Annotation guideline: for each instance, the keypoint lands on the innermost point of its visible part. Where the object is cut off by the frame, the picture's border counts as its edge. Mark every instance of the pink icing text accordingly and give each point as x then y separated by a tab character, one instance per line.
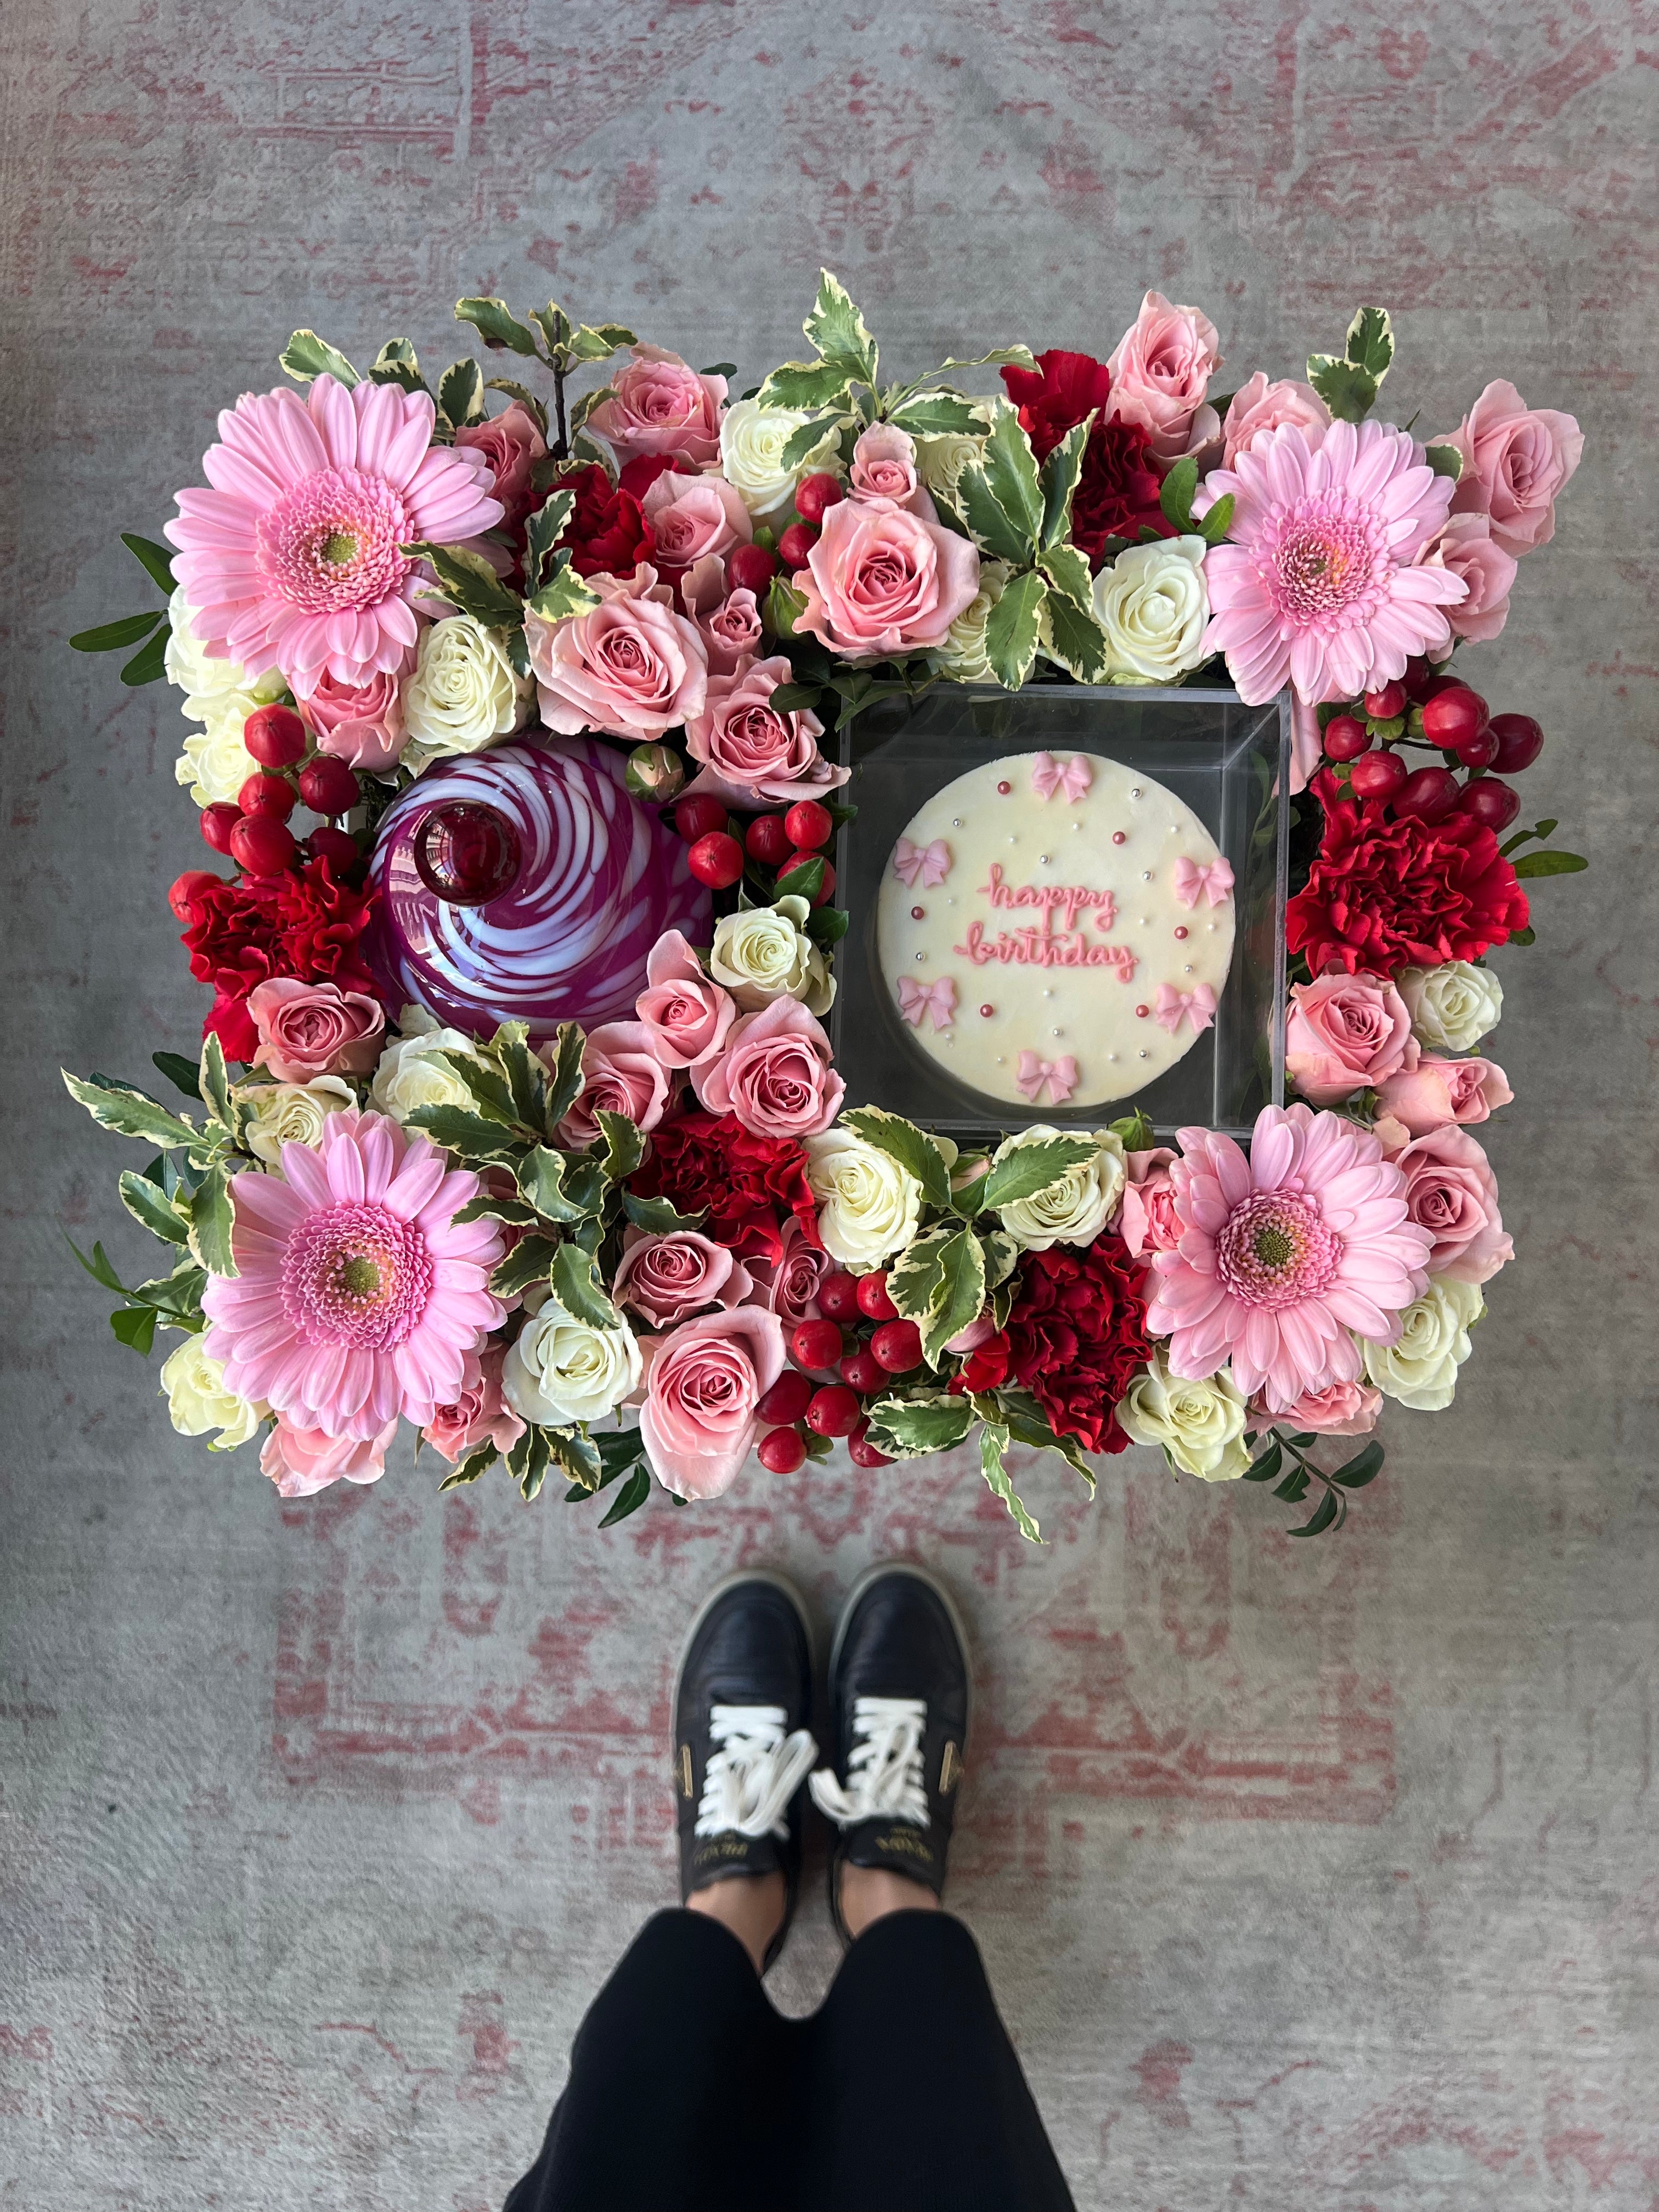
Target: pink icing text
1051	897
1035	948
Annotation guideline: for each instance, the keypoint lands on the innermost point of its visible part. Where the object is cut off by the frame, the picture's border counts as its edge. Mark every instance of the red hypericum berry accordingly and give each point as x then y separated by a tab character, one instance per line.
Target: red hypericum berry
767	840
862	1371
782	1451
897	1345
1452	715
817	1345
787	1399
1345	738
1382	706
808	826
1428	793
838	1297
796	542
816	493
217	823
1481	750
699	817
1520	741
750	568
716	860
275	737
1377	775
337	847
834	1410
273	795
874	1301
261	846
863	1453
328	787
1490	801
184	888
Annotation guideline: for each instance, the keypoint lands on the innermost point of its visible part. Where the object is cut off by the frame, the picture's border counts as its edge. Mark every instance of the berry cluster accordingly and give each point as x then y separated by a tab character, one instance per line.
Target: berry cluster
1432	711
862	1341
780	841
254	832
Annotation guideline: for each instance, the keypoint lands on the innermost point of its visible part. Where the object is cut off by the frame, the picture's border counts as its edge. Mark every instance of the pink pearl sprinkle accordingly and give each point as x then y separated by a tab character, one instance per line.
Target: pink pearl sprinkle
1120	836
1005	788
1181	929
1143	1012
988	1008
917	912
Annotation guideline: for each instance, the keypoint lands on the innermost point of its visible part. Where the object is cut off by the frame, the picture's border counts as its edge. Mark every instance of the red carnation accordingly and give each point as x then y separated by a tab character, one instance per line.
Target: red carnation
708	1163
302	924
1076	1339
1118	489
1386	893
607	532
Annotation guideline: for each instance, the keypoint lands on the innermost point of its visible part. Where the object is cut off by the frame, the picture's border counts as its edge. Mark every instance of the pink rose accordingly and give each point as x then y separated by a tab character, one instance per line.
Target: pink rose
1517	460
1465	547
362	724
479	1414
621	1074
1160	369
684	1016
776	1074
315	1028
694	518
301	1462
1451	1191
790	1288
748	751
702	1383
630	665
671	1276
1340	1409
1347	1033
880	581
1258	407
1438	1091
659	404
511	444
970	1338
728	622
1146	1221
884	467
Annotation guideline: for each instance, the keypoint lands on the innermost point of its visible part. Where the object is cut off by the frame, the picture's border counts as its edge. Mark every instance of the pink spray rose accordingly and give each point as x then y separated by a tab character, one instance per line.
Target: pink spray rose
884	467
630	665
1347	1033
881	581
1259	406
750	752
790	1288
684	1016
479	1413
702	1383
1439	1090
694	518
659	404
670	1276
1148	1222
1517	460
362	724
1465	547
511	444
728	622
1340	1409
301	1462
1451	1191
315	1028
621	1074
776	1074
1160	369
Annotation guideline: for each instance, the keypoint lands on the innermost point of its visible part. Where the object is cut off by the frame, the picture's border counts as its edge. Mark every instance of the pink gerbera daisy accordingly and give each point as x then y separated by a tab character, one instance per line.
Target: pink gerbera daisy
1316	587
1283	1254
358	1295
293	560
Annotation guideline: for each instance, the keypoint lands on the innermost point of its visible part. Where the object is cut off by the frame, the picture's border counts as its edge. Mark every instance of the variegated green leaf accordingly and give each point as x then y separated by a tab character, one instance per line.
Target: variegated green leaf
1013	628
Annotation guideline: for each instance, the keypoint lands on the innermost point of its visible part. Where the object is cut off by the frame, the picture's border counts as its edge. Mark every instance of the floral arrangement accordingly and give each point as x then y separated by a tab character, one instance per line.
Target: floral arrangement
645	1251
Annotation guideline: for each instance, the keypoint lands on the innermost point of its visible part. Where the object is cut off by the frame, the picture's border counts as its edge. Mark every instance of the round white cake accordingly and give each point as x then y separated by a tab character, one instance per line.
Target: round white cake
1055	930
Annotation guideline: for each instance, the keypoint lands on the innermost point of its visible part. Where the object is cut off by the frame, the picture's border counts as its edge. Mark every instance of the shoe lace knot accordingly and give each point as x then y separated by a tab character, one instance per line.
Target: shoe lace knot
754	1770
885	1775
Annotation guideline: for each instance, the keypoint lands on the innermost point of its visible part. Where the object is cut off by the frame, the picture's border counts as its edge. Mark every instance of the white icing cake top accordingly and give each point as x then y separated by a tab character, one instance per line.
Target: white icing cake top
1055	930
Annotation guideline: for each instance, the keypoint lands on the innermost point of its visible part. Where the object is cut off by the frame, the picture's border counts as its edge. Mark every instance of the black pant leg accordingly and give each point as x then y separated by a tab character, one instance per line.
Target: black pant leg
679	2085
915	2101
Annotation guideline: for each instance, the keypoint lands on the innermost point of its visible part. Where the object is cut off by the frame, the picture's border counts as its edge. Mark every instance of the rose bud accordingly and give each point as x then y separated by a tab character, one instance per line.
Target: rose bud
654	772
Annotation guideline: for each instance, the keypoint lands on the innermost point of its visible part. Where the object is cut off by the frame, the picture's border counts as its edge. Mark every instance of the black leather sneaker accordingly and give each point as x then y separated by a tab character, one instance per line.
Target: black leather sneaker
900	1688
743	1745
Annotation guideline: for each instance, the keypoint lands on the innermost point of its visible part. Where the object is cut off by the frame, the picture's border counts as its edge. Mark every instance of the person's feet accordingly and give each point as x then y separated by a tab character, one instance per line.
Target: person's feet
899	1697
742	1748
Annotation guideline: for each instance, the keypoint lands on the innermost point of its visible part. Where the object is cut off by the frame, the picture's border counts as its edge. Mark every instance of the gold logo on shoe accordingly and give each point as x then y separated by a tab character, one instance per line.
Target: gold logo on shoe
950	1772
685	1769
904	1842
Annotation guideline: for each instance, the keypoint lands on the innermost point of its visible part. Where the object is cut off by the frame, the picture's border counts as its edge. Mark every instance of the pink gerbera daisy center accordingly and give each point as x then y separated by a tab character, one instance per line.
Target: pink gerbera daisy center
335	541
1322	561
1276	1250
357	1274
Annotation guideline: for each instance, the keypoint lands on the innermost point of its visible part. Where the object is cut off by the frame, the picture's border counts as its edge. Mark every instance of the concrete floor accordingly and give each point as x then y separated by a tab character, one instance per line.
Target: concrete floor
1310	1877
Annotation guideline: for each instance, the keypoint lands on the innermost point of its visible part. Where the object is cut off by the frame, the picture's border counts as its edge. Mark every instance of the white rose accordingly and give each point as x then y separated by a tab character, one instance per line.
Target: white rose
199	675
1451	1006
940	462
292	1113
560	1370
765	954
215	764
962	656
411	1072
1074	1210
752	440
1199	1425
1421	1368
868	1205
198	1400
1153	607
464	693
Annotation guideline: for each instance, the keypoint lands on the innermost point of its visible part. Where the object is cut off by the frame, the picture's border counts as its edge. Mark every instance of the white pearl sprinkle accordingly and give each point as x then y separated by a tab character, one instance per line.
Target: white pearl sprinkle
1135	792
1145	875
1142	1051
1210	926
956	822
1056	1032
1012	840
1043	859
1047	994
1187	970
921	955
1111	1055
999	1059
1145	922
1077	825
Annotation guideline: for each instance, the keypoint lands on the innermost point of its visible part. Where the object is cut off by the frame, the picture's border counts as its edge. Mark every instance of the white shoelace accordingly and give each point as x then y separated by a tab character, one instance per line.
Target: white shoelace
755	1771
884	1779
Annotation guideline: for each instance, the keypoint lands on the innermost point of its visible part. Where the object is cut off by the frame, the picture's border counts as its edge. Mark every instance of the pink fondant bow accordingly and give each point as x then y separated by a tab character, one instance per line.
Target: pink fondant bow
1173	1007
1192	881
939	999
930	864
1059	1075
1048	776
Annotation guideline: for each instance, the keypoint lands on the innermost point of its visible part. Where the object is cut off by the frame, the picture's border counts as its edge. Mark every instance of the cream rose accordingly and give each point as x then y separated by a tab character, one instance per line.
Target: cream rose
765	954
215	764
1452	1007
464	693
292	1113
752	440
561	1370
1199	1425
962	656
1153	605
1421	1368
940	462
1074	1210
412	1071
198	1400
868	1205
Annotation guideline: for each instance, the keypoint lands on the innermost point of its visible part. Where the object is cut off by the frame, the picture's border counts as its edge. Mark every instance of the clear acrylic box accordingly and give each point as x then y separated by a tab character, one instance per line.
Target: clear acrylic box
1229	763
